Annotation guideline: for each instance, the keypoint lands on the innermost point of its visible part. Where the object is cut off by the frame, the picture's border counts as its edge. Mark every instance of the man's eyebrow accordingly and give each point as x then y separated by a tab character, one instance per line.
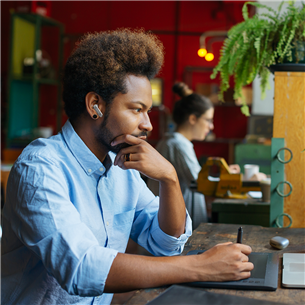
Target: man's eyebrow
143	105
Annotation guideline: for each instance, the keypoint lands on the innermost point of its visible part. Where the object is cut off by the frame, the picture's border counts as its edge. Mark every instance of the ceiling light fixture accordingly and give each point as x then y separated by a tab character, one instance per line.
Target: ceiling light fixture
205	49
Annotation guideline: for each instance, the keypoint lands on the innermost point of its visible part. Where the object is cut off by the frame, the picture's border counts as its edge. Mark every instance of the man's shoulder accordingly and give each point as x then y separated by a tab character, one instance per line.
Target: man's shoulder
53	148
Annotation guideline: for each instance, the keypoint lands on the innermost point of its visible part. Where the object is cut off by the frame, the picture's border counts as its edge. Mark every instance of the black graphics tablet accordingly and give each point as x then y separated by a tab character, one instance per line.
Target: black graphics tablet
264	276
182	295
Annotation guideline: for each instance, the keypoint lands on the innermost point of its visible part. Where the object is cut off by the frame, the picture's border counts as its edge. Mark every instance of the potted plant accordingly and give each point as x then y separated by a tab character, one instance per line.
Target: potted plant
258	43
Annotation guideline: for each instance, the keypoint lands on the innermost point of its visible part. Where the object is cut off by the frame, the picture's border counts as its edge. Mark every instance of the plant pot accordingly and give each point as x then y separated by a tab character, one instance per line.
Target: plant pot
287	68
298	60
298	53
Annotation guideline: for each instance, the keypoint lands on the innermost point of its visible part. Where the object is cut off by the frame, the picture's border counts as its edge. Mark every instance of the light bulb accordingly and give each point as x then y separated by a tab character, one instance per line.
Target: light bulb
202	52
209	57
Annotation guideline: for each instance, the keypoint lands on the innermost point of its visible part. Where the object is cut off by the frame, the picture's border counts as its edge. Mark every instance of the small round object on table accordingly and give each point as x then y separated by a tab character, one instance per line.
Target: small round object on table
279	242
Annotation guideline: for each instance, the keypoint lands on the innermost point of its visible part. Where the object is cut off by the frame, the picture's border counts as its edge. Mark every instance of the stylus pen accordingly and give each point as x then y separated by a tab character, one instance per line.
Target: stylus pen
240	235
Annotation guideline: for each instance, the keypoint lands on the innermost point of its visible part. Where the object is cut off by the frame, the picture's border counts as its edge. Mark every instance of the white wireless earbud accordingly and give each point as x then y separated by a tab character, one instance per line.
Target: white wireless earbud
98	111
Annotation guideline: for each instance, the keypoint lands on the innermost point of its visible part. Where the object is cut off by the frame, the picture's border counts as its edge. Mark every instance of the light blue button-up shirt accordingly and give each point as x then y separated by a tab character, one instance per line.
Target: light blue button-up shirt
66	217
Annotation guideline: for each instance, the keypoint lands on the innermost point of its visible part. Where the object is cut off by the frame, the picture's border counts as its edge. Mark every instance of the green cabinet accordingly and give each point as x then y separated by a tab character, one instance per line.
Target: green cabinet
26	77
254	154
254	211
241	211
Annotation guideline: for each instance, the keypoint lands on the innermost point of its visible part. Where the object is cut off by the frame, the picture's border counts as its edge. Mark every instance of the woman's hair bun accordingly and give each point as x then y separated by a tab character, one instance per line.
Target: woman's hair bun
182	89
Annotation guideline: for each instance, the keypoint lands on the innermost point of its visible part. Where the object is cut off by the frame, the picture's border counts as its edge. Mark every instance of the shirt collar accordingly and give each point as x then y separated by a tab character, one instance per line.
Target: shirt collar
88	161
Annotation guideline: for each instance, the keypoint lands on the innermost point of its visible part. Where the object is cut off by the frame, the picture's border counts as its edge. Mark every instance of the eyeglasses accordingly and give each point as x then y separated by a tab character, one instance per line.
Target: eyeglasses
210	121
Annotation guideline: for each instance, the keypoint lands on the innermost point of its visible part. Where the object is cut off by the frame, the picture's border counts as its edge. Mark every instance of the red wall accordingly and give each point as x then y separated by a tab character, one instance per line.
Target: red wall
178	24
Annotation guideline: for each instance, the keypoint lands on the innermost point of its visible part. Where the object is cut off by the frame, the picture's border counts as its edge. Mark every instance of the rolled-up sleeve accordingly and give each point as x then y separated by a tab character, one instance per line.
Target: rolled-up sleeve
164	244
48	223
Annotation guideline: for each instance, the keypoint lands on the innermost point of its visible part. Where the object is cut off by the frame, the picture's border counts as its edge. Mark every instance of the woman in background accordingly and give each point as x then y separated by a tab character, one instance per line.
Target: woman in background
193	115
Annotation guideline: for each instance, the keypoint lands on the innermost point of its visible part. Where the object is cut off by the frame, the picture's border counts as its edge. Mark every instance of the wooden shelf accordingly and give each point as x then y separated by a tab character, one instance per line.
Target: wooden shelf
24	96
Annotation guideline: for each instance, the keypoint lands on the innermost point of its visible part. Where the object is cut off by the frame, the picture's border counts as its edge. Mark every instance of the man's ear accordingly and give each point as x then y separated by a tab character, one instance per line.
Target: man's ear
192	119
95	105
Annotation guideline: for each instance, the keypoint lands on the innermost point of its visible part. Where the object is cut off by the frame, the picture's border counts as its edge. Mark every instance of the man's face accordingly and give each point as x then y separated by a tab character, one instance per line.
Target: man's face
128	113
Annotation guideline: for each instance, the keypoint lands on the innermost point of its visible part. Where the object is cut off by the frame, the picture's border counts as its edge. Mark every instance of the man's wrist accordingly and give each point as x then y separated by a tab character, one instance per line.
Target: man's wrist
170	177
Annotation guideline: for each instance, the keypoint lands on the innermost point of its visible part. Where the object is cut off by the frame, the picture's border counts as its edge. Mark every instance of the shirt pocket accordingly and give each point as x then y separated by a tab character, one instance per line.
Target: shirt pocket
123	219
121	228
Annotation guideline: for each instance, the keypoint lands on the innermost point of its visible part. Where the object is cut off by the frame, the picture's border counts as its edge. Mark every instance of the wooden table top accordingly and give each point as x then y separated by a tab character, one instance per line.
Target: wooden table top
208	235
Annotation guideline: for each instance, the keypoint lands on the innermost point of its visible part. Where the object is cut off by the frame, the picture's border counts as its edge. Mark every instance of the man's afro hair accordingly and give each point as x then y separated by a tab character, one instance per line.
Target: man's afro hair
101	62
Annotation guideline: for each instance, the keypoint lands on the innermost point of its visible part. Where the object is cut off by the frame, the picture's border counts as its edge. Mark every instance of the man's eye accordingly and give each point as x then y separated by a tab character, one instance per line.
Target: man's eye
149	110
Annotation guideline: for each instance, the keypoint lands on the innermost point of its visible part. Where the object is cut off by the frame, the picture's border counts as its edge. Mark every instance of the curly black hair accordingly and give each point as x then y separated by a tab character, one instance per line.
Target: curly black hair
102	61
190	103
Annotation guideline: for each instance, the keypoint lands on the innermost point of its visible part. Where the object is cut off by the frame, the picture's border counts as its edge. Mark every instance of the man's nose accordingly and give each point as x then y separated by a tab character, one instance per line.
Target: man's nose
145	123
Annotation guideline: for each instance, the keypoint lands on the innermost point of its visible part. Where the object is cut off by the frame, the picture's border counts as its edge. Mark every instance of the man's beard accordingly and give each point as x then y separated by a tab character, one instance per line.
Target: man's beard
105	137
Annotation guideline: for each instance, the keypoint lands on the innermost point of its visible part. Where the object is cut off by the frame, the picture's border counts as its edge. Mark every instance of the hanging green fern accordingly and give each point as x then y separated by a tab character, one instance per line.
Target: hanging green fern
257	43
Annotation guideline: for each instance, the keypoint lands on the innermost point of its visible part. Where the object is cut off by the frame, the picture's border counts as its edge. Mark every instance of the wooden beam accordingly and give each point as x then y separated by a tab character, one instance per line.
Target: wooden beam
289	123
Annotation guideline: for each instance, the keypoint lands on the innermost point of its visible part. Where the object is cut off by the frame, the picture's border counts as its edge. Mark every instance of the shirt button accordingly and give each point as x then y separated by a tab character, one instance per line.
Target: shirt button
89	170
107	223
101	169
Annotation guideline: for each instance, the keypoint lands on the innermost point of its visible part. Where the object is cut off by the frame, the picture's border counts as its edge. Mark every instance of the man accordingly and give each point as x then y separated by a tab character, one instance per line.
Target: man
74	199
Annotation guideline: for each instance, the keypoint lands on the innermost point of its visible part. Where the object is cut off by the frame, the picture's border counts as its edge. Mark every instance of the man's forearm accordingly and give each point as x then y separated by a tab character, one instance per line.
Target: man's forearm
223	262
130	272
172	212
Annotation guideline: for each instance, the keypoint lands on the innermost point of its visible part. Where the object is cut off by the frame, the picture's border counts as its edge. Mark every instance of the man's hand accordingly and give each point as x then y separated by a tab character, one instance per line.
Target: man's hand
224	262
143	158
148	161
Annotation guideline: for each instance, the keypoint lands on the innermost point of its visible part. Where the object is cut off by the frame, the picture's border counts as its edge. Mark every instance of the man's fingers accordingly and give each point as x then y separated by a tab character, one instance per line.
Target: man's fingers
129	139
245	258
226	243
121	156
245	249
245	275
126	164
242	247
248	266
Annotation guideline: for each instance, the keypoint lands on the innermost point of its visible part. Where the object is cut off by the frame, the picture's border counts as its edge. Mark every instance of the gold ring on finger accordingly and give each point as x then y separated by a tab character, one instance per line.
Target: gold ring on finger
127	157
